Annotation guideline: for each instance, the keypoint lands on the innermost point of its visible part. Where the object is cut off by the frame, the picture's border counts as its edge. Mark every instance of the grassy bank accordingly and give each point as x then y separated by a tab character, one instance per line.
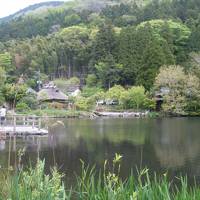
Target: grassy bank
33	184
57	113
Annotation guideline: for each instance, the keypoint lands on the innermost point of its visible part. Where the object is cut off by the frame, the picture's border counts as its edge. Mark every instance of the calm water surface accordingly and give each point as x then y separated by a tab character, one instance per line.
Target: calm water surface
169	144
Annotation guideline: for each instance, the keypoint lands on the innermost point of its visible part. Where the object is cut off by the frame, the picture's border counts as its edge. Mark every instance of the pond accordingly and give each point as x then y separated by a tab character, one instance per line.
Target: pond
162	145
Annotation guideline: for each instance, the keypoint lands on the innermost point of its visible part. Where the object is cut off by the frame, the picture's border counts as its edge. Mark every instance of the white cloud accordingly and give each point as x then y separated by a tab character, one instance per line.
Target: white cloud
9	7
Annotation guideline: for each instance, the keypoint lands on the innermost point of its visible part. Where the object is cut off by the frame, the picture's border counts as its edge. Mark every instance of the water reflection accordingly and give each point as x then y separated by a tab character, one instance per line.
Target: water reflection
159	144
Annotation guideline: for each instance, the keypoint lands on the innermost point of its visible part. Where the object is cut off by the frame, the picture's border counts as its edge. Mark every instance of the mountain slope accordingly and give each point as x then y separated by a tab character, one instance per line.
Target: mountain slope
33	9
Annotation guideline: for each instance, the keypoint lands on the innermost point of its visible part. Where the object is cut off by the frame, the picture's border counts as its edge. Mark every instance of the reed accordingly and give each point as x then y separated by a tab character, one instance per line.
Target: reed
34	184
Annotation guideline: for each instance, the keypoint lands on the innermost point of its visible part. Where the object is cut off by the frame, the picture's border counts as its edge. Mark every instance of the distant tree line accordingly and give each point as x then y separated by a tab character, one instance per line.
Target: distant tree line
125	43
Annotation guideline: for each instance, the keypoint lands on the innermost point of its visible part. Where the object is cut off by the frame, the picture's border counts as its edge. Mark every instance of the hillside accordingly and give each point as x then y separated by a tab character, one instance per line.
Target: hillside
32	10
105	43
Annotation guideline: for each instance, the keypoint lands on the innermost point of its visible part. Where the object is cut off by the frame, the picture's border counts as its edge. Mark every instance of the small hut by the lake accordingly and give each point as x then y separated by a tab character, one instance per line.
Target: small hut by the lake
159	97
51	94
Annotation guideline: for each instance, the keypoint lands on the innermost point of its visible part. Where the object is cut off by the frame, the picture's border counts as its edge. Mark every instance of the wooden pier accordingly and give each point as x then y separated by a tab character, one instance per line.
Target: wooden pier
22	125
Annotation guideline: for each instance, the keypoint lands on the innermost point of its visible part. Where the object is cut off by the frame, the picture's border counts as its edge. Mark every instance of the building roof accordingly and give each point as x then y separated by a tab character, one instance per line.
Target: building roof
51	94
72	88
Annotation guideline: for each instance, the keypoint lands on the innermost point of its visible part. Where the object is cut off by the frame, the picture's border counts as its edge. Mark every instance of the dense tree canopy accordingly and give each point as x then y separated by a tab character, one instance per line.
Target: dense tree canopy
114	42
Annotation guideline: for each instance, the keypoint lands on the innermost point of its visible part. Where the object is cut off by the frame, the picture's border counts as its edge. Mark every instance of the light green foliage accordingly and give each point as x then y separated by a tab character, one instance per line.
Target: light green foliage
174	78
171	76
99	96
14	93
72	20
136	98
73	81
115	92
21	107
2	99
174	27
174	33
91	80
95	19
183	89
34	184
6	61
90	91
133	98
2	76
83	103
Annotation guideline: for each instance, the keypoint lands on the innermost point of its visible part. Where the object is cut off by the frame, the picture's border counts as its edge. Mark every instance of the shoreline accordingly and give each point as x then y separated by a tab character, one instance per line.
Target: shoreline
60	114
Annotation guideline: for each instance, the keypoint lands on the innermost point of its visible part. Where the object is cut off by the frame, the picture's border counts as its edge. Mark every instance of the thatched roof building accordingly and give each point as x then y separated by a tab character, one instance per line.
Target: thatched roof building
51	94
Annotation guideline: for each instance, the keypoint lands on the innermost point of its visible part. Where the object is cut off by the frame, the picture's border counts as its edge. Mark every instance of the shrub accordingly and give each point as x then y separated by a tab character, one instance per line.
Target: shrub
91	80
31	83
22	107
115	92
99	96
73	81
2	99
14	93
136	98
31	101
56	105
149	104
90	91
83	103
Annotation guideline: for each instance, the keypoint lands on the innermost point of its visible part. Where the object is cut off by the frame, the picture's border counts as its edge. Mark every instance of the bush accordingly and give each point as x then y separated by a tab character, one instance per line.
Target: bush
14	93
56	105
73	81
32	83
83	103
31	101
22	107
91	80
90	91
115	92
2	99
99	96
136	98
149	104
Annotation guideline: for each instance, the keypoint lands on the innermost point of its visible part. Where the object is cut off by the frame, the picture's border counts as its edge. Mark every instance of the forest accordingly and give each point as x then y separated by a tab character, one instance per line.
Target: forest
146	45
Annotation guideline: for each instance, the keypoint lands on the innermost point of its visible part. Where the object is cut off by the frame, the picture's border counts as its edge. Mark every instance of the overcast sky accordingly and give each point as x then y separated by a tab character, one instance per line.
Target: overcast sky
11	6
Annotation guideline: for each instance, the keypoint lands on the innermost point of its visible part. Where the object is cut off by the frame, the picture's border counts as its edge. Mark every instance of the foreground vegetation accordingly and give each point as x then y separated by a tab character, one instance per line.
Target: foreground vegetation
34	184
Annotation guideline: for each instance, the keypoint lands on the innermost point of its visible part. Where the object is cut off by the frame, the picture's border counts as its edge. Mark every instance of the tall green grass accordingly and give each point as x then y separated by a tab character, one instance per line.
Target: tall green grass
33	184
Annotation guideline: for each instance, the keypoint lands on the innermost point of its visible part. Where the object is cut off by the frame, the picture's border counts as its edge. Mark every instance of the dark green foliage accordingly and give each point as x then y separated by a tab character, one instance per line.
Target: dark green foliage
30	101
194	40
108	72
142	52
105	43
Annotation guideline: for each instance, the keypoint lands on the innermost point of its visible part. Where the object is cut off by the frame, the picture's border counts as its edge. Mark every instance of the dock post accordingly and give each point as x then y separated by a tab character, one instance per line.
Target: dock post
33	123
24	120
39	127
14	124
